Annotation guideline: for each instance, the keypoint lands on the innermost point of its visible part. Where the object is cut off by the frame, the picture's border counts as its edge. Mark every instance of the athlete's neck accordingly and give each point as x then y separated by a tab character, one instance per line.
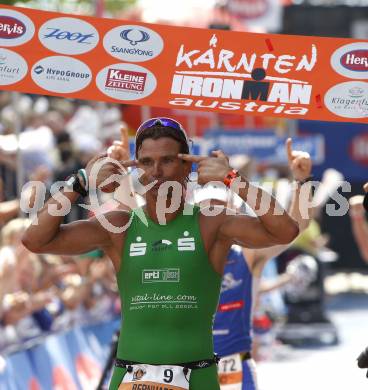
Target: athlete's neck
163	213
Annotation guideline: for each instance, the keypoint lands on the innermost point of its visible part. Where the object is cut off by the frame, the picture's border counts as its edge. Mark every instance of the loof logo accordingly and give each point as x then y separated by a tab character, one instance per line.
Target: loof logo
186	243
68	35
161	275
61	74
13	67
161	245
138	248
133	43
351	60
126	81
15	28
348	100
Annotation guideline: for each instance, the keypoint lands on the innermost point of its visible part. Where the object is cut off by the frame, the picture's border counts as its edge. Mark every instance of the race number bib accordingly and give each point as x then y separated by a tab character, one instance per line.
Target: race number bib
230	372
148	377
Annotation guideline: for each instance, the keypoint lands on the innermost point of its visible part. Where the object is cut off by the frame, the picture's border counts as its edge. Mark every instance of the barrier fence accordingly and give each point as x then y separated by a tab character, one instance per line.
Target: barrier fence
73	360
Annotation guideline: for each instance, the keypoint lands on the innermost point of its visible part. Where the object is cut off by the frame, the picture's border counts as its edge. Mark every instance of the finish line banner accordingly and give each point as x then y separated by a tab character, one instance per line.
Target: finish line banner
126	62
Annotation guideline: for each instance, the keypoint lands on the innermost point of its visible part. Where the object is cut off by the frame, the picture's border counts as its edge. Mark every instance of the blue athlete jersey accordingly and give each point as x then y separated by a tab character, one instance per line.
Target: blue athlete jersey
232	325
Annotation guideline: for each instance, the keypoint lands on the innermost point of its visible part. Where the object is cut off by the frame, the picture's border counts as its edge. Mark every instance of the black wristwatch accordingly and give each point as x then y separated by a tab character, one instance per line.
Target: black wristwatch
74	184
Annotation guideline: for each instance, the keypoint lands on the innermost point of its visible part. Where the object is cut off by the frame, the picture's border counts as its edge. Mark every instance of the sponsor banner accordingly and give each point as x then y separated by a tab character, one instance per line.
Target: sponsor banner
264	146
231	72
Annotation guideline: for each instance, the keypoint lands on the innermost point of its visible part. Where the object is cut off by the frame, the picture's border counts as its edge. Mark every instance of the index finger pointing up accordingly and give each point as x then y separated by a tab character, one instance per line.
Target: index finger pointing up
289	149
191	157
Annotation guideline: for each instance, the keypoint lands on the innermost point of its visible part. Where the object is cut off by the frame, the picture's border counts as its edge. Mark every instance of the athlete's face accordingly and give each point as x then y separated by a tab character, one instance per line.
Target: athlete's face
159	161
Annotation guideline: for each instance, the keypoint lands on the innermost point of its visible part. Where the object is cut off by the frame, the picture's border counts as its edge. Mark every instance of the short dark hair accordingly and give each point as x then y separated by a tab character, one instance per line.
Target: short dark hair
156	132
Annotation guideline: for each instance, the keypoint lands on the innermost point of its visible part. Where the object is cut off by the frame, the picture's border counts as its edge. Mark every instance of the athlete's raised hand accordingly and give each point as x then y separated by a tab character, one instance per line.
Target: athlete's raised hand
119	150
213	168
106	173
300	163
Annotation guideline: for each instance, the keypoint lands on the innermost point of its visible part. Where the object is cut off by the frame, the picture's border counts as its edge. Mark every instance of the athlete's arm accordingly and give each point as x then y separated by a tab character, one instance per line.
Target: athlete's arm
273	225
300	165
50	236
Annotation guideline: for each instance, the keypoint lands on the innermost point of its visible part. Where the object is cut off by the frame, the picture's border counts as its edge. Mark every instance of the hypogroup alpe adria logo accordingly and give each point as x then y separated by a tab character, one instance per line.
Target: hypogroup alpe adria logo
68	36
61	74
133	43
15	28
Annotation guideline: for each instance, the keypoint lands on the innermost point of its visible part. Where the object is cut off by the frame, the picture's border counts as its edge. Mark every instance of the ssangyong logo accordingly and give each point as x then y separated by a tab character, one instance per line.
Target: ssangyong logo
15	28
348	100
351	60
61	74
126	81
134	36
68	36
133	43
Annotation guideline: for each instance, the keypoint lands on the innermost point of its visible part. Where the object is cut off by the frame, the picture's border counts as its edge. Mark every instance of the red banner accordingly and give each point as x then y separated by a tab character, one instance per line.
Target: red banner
294	77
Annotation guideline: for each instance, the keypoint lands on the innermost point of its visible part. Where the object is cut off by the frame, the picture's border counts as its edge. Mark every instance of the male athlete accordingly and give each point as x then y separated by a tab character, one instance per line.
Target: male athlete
169	274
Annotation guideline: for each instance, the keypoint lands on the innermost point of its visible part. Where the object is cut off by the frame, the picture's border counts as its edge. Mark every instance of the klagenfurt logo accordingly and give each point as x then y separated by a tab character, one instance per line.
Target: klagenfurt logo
68	36
61	74
15	28
220	78
13	67
351	60
133	43
348	100
126	81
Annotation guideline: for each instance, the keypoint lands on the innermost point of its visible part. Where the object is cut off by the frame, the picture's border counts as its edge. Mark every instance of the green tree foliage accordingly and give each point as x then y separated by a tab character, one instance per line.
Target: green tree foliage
112	7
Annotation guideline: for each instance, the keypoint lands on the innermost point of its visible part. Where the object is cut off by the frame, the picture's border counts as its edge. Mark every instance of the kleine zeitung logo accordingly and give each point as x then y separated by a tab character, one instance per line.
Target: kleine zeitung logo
126	81
351	60
348	100
133	43
61	74
13	67
68	36
15	28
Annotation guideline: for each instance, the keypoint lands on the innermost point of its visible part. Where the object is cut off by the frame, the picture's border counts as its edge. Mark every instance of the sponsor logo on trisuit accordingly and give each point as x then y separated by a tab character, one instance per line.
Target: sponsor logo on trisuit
161	245
161	275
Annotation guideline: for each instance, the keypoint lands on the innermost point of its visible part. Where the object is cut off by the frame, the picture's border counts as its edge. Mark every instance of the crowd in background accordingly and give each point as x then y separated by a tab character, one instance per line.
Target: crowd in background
47	293
50	293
